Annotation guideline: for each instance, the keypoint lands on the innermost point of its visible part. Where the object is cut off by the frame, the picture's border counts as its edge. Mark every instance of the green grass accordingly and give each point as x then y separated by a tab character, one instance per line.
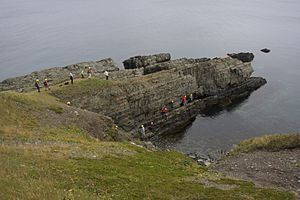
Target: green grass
118	172
42	158
82	87
269	143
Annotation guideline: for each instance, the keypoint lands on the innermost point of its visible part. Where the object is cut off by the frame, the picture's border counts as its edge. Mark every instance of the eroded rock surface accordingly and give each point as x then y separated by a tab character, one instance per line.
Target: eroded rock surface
57	75
139	100
244	57
143	61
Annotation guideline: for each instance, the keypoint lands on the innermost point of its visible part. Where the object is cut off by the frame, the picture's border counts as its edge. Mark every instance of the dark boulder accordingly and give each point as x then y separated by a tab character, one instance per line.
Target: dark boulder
143	61
265	50
243	56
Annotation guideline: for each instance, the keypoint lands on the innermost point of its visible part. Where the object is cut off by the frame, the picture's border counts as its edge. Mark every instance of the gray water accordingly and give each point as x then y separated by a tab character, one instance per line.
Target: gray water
37	34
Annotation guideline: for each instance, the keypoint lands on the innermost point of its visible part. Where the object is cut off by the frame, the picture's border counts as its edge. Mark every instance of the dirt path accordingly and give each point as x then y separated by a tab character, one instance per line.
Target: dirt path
269	169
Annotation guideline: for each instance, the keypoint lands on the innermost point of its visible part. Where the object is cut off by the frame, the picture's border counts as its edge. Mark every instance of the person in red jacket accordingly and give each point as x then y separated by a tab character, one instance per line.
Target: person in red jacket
164	109
183	100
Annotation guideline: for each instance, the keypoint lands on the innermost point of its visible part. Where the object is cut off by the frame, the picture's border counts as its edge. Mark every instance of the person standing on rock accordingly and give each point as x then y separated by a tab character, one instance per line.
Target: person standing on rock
172	105
152	126
190	99
106	74
143	132
183	100
71	77
36	84
89	72
46	84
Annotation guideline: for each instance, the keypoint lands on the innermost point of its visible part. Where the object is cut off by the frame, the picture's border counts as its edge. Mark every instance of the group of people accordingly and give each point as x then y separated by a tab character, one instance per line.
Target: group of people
37	85
71	77
143	130
183	101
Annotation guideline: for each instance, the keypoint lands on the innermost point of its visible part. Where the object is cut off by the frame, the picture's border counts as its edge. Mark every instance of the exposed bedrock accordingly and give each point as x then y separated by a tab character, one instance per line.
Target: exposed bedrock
139	100
58	74
143	61
244	57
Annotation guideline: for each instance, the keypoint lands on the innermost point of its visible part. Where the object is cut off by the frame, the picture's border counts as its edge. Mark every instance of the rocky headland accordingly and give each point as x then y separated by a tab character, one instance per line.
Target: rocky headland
136	95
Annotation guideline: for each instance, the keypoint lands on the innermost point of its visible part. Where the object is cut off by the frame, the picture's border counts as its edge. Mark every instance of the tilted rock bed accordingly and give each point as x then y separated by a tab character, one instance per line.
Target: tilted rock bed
135	96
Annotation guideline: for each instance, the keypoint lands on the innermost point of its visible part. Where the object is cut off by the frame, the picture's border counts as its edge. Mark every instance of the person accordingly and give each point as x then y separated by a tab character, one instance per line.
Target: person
46	84
106	74
164	109
152	126
37	81
190	98
143	130
89	72
71	77
82	74
172	105
183	100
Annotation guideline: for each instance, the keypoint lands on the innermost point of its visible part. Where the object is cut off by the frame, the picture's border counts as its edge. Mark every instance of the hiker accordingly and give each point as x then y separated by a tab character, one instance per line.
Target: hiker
46	84
152	126
172	105
183	100
143	130
106	74
37	81
71	77
89	72
164	110
82	74
190	98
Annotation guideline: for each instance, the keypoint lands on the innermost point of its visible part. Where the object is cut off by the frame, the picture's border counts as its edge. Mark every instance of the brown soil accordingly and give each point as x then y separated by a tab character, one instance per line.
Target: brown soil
267	169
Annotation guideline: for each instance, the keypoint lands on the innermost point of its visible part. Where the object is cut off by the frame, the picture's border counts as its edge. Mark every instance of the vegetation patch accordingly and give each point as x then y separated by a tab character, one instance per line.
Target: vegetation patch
56	109
268	143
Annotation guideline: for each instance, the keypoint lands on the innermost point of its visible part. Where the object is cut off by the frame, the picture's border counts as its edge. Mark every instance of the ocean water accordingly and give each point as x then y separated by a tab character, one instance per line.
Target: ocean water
37	34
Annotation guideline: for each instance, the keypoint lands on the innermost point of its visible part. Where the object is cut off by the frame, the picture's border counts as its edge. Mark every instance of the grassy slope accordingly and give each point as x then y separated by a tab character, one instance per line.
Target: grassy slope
268	143
63	162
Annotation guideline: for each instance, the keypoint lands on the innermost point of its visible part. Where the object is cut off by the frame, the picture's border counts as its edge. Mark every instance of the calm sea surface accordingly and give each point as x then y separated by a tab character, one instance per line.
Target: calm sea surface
37	34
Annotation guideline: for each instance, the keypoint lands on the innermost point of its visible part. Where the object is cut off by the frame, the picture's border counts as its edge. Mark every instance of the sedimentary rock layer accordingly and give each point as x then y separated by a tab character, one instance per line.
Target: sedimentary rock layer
139	100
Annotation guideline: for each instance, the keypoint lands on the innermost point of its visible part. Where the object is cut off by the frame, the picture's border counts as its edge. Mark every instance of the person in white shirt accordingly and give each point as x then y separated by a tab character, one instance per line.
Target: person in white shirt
106	74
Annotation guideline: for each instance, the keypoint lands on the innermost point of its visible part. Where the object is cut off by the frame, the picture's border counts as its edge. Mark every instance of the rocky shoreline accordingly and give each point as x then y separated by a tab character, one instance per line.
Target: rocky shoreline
138	93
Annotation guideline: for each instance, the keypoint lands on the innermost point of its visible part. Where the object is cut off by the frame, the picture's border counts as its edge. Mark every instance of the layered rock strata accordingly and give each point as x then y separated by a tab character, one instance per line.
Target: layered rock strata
144	61
136	101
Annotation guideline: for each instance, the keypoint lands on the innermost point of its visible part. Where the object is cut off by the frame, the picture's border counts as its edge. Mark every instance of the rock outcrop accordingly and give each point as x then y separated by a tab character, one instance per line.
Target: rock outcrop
265	50
137	95
143	61
139	100
57	75
244	57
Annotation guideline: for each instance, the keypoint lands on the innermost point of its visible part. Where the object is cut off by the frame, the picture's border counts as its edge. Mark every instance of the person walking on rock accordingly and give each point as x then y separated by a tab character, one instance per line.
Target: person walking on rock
71	77
36	84
46	84
143	132
82	74
106	74
183	100
89	72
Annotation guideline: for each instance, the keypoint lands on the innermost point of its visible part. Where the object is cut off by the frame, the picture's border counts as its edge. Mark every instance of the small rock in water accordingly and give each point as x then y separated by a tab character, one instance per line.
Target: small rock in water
265	50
